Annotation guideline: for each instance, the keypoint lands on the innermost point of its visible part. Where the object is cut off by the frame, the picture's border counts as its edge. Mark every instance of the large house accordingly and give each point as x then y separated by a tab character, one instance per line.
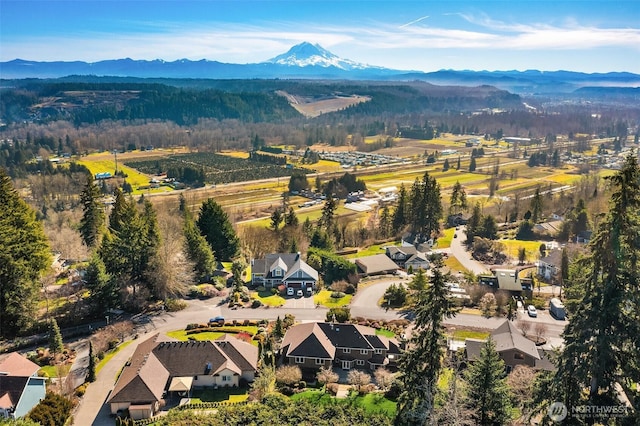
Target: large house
20	387
287	269
315	345
549	266
513	348
159	369
405	256
378	264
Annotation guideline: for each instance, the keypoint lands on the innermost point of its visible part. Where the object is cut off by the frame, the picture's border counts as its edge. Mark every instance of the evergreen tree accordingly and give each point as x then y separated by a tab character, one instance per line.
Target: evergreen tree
458	165
384	225
474	224
458	201
400	215
93	216
198	250
24	255
278	332
445	166
91	373
328	213
103	289
214	224
55	338
488	393
320	239
276	219
600	358
536	206
472	164
118	210
489	228
291	219
422	362
425	206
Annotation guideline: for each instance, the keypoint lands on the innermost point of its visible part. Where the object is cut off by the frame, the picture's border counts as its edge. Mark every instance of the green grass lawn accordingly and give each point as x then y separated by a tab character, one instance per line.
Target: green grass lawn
212	335
111	354
532	249
55	370
385	332
470	334
219	395
268	299
371	250
444	241
372	402
324	298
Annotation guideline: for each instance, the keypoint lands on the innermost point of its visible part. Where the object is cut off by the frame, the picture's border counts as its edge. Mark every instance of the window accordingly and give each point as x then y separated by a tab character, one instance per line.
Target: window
379	351
226	378
277	272
359	361
299	360
319	361
346	350
364	351
518	355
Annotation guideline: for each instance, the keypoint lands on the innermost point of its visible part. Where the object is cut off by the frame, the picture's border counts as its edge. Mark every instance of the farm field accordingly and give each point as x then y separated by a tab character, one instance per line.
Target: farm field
136	179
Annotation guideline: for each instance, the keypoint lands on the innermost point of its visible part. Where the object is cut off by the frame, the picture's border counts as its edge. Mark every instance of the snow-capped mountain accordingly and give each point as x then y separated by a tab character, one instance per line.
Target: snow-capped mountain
306	54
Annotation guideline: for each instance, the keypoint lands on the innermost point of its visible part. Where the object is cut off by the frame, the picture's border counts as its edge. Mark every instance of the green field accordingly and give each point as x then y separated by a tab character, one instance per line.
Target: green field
371	402
134	177
324	298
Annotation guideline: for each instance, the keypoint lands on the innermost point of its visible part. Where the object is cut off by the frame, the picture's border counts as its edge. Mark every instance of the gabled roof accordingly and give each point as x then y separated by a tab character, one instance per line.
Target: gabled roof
143	379
376	264
11	388
320	340
192	358
301	265
418	257
278	263
245	355
507	337
263	266
406	250
307	340
553	258
14	364
507	279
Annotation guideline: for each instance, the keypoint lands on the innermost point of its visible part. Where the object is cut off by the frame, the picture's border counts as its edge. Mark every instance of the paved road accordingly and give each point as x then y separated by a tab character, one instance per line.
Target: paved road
93	410
460	252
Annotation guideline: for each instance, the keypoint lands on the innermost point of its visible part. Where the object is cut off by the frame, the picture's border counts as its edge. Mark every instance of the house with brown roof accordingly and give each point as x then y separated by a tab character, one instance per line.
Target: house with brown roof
345	346
513	348
283	268
378	264
20	387
161	368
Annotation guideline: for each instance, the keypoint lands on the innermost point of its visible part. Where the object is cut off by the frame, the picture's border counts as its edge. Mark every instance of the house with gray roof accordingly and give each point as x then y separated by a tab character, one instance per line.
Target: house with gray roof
513	348
286	269
345	346
20	387
161	368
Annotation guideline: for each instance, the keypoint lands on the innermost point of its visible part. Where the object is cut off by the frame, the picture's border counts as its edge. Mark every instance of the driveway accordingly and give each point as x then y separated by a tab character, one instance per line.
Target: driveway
459	250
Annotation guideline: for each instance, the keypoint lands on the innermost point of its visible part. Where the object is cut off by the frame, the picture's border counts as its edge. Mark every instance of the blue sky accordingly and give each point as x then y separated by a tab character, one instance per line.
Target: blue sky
588	36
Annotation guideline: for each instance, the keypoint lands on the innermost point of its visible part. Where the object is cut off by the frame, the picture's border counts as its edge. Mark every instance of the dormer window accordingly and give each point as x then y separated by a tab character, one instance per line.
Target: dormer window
277	272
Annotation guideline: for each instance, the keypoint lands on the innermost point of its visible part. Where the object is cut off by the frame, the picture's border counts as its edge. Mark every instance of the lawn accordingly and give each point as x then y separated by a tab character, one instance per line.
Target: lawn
219	395
135	178
268	299
371	250
532	249
454	264
372	402
213	335
324	298
444	241
53	370
386	333
470	334
111	354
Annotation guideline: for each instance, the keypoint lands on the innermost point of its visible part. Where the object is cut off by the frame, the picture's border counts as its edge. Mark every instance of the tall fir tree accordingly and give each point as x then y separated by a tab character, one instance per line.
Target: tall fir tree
55	338
422	362
488	393
93	217
24	256
91	369
400	214
103	289
600	362
214	224
198	250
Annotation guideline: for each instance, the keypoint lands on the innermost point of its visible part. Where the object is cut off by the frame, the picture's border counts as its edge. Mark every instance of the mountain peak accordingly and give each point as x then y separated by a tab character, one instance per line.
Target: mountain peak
307	54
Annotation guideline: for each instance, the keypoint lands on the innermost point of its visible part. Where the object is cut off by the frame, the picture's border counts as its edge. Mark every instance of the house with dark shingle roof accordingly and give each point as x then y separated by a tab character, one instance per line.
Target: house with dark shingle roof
513	348
283	268
158	368
20	387
345	346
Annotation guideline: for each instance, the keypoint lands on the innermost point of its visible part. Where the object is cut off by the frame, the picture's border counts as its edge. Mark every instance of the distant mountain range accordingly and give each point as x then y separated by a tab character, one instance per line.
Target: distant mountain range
311	61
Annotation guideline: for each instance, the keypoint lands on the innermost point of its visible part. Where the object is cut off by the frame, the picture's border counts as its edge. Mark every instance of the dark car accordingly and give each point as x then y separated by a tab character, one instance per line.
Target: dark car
219	320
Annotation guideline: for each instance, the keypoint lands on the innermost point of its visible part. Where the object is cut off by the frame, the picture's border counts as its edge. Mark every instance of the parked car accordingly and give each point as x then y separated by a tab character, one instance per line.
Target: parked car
219	320
290	291
531	310
299	293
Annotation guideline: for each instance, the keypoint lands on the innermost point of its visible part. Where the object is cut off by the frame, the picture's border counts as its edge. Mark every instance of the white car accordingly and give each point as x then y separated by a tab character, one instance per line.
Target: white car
290	291
531	310
299	293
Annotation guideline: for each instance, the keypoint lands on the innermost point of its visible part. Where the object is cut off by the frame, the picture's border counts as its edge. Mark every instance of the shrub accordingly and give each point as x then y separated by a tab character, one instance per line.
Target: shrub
192	326
80	390
288	375
54	409
207	290
256	303
260	288
194	291
351	289
340	314
274	291
113	344
174	305
337	295
332	388
340	286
